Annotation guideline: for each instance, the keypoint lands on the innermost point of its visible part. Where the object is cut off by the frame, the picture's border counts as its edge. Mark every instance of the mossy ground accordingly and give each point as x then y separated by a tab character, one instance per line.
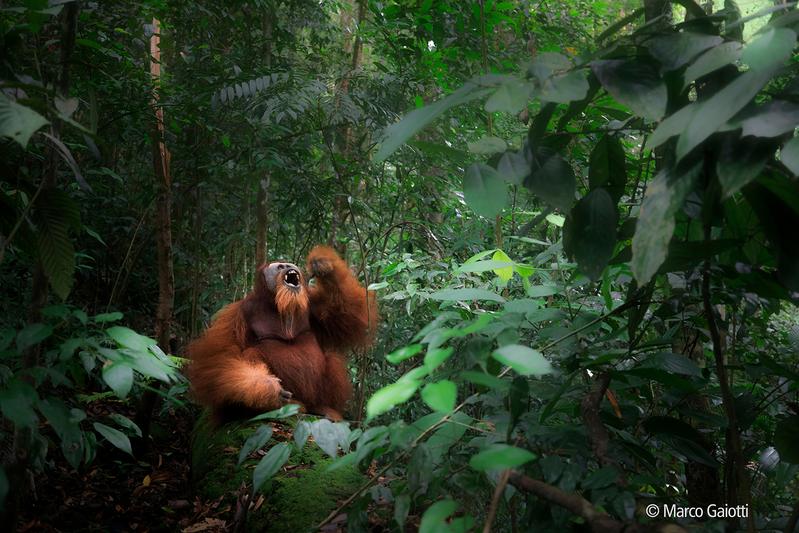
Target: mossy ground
297	498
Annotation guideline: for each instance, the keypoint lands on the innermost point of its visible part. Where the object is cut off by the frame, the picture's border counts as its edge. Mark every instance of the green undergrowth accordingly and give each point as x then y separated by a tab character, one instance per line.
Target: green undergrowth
297	498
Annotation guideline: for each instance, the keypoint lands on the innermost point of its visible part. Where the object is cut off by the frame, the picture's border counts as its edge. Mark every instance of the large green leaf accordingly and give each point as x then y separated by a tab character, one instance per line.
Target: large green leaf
672	125
590	232
711	114
523	360
398	133
434	519
401	354
17	121
673	363
789	155
130	339
513	167
119	377
773	119
17	399
566	88
501	456
664	196
330	436
675	50
741	161
114	436
769	50
487	145
440	396
635	84
712	60
32	334
484	190
66	423
256	441
274	459
56	214
511	97
607	167
552	179
386	398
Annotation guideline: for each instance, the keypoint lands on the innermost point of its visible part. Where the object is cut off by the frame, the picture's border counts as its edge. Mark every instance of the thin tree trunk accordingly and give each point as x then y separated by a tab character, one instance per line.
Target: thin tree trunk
163	227
262	220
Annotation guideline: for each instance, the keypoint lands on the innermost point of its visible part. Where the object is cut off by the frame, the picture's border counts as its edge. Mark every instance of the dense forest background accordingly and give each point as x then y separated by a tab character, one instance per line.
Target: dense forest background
579	218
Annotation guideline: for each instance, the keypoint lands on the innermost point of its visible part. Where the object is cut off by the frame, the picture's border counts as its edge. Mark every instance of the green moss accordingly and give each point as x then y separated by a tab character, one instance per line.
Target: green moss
300	496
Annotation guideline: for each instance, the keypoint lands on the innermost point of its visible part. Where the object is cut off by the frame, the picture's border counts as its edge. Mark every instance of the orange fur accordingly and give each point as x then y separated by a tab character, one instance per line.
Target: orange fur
272	342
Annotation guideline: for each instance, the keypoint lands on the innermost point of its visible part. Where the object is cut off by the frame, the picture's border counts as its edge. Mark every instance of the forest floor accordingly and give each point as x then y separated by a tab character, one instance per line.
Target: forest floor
117	493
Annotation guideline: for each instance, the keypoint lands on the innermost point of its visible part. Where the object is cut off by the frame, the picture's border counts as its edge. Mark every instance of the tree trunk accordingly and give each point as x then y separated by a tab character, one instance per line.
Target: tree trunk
262	220
163	228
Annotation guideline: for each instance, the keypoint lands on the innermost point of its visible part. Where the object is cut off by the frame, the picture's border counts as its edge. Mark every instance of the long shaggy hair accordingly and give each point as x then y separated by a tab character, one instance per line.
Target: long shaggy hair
291	306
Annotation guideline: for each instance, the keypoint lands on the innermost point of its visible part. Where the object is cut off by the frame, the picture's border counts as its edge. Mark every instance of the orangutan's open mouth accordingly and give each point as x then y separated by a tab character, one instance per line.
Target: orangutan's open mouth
292	278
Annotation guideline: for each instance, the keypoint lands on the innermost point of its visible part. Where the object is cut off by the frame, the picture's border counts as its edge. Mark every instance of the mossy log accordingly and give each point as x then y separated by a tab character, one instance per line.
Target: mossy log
297	498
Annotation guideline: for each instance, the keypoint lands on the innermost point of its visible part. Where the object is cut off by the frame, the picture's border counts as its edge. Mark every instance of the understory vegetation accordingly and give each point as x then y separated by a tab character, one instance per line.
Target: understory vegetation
578	217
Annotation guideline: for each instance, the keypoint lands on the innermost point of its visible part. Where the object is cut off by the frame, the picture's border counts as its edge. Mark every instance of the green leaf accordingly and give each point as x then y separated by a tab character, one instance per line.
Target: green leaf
741	161
452	295
604	477
436	356
786	439
513	167
711	114
126	422
712	60
66	423
503	273
434	519
130	339
32	335
398	133
108	317
672	125
664	197
485	266
552	179
511	97
772	119
18	122
284	412
672	363
546	64
329	436
119	377
301	433
500	457
488	145
270	463
564	89
635	84
590	232
523	360
769	50
16	402
401	354
402	505
484	190
676	50
56	213
607	167
440	396
789	155
256	441
114	436
389	396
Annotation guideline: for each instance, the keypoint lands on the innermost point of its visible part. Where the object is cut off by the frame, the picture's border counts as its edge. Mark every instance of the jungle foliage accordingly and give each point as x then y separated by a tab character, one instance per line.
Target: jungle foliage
577	216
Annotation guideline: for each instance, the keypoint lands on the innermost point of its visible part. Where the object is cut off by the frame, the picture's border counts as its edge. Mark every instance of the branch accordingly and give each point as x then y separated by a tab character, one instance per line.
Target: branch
599	521
589	408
